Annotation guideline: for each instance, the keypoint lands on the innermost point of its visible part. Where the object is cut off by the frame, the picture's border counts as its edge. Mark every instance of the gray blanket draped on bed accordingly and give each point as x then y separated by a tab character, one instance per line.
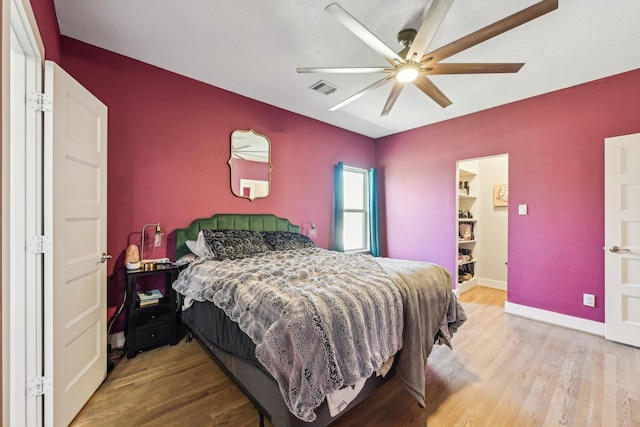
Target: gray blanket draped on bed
321	319
429	312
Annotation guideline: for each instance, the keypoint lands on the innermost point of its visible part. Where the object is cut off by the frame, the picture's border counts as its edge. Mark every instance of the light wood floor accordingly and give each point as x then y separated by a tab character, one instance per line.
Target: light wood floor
503	371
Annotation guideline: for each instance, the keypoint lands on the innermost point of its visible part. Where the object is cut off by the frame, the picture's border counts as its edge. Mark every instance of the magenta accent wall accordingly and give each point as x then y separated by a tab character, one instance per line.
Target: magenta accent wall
45	13
555	144
169	139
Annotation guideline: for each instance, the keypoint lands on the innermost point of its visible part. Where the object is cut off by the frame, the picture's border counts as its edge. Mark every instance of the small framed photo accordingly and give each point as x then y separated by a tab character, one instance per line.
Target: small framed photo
501	195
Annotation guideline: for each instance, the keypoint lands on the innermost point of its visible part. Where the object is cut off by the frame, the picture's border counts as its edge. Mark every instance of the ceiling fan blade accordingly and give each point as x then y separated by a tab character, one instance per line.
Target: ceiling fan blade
346	70
492	30
395	91
428	29
361	93
424	84
362	33
474	68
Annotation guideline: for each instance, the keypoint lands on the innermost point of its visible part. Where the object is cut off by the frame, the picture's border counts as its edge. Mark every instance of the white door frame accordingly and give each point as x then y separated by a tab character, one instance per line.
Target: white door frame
478	280
21	215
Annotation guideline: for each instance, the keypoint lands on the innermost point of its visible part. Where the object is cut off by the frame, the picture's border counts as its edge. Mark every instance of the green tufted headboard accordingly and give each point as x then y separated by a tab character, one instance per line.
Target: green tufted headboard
255	222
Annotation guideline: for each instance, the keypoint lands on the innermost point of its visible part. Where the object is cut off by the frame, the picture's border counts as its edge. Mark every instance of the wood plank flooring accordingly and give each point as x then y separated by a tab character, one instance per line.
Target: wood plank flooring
503	371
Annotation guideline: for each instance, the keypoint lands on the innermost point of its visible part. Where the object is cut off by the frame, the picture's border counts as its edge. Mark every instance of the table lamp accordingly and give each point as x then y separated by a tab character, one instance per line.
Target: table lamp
158	241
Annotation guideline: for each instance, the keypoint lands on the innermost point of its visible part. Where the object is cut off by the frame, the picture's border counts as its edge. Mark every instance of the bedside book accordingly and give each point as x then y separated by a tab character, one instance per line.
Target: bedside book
153	294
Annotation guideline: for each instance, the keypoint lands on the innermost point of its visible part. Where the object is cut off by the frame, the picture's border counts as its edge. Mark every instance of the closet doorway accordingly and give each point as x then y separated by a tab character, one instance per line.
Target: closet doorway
482	187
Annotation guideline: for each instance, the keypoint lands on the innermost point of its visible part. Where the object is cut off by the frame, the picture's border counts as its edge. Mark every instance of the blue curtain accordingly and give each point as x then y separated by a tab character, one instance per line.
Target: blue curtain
338	208
374	233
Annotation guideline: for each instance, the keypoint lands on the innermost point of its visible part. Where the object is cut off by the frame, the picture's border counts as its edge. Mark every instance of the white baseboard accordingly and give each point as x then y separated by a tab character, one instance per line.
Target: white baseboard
494	284
479	281
570	322
117	340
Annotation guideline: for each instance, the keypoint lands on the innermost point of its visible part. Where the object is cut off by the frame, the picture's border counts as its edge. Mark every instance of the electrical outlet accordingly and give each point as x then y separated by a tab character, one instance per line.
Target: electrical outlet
589	300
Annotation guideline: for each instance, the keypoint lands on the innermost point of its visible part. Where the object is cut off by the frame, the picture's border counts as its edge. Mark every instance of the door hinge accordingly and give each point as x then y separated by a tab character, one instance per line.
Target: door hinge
39	386
40	102
39	244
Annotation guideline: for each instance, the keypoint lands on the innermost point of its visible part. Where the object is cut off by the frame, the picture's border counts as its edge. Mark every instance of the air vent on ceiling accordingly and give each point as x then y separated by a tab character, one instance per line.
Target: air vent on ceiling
324	87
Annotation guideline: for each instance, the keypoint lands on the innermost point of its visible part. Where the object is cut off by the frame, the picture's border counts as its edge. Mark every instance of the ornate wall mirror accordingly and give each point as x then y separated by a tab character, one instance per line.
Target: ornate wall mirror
250	164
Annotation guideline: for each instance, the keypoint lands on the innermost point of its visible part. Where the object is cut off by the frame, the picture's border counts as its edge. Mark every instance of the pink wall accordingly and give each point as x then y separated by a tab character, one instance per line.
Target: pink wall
555	145
45	14
169	139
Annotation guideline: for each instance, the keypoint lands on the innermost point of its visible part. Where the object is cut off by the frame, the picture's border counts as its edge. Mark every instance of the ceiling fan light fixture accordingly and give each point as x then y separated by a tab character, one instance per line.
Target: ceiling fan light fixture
408	72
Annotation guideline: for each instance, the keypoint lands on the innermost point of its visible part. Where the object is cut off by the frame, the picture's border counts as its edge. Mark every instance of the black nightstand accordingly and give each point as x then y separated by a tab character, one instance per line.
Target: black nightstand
151	325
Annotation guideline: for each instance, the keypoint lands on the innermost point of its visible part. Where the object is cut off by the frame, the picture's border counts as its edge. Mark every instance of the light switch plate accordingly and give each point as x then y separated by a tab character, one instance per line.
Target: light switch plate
522	209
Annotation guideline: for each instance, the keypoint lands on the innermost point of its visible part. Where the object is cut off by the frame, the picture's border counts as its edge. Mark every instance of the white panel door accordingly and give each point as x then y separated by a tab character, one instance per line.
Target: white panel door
622	239
75	206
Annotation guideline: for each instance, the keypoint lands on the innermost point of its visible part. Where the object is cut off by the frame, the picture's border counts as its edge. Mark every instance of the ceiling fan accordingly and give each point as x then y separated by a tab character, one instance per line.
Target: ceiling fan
413	64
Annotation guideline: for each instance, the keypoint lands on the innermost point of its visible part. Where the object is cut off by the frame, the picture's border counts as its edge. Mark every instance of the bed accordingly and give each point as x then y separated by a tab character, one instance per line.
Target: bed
304	332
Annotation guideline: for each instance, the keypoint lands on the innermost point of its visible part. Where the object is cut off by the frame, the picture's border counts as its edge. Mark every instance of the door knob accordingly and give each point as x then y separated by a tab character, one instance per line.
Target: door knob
105	257
616	249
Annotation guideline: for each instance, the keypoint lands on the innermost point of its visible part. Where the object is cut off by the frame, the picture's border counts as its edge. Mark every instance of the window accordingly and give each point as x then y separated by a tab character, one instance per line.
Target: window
356	217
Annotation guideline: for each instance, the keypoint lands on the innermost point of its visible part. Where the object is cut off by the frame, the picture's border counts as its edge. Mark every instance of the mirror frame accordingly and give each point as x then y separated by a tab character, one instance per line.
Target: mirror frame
231	157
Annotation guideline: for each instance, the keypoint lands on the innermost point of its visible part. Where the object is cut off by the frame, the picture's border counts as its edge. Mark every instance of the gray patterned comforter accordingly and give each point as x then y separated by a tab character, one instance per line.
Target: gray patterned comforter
320	319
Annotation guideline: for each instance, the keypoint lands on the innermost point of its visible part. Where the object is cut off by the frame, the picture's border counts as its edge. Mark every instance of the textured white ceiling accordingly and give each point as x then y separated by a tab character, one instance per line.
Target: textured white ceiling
252	47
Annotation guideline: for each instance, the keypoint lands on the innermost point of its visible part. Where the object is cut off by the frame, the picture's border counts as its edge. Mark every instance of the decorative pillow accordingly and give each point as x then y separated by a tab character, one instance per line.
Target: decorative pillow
286	240
199	247
185	259
234	244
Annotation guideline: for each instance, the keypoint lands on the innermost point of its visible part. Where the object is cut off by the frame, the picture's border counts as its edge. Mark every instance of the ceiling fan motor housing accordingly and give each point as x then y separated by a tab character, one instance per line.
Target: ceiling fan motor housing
406	37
